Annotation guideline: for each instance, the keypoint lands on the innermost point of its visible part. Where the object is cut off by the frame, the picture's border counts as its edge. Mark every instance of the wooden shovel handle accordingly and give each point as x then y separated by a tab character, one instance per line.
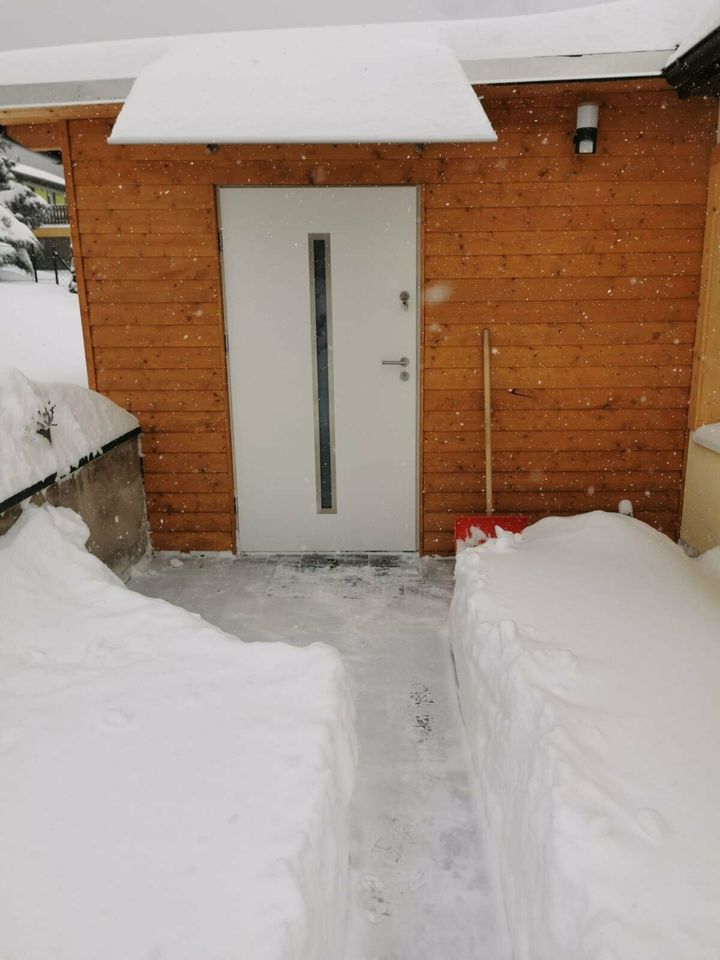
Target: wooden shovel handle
488	426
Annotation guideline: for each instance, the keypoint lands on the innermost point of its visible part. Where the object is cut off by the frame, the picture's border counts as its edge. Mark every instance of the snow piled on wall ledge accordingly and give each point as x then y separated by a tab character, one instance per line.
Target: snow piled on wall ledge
588	656
48	428
166	790
707	436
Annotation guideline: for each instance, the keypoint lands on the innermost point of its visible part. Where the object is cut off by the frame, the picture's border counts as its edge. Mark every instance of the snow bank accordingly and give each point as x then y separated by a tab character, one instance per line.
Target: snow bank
588	655
80	423
40	328
166	791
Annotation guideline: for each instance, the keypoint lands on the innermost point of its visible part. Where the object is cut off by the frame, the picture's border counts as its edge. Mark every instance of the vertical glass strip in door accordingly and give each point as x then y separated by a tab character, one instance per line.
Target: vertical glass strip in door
321	319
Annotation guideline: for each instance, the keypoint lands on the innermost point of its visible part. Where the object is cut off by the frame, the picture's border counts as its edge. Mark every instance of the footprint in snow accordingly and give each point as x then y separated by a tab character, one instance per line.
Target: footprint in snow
378	909
420	694
116	719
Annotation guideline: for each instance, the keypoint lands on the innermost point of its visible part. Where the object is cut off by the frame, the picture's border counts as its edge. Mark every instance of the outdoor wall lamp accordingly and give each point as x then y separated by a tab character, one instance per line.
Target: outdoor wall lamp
586	128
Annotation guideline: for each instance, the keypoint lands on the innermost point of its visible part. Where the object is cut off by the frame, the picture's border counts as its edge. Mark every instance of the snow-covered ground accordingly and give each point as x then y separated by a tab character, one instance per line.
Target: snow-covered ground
588	652
40	329
419	887
47	428
166	791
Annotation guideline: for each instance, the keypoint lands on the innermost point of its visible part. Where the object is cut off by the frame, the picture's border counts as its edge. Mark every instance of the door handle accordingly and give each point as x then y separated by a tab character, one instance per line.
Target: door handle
402	362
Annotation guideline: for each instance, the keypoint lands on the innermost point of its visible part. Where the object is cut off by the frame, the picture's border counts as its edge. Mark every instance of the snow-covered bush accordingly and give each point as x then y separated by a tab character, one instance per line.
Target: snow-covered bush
21	210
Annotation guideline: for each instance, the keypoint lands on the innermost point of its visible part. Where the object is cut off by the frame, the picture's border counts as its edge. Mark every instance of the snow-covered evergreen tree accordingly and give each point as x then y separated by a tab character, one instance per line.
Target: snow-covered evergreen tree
21	209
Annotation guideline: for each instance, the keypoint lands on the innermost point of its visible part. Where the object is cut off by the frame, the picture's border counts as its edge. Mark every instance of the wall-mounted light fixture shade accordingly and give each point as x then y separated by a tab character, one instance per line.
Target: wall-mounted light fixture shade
585	138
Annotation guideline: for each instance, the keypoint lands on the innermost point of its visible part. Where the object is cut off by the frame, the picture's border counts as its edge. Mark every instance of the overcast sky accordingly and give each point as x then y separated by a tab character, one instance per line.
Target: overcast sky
39	23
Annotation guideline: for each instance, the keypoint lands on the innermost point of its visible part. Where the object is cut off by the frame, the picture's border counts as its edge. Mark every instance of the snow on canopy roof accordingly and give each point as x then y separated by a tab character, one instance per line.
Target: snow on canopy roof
291	86
613	38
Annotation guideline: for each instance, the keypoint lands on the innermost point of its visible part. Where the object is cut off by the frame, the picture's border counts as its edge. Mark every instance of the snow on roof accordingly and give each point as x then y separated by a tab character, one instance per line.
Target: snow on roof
707	22
293	86
24	170
518	47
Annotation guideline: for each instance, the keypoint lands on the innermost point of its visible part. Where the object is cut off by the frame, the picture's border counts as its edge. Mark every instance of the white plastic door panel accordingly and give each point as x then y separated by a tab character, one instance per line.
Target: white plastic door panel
324	433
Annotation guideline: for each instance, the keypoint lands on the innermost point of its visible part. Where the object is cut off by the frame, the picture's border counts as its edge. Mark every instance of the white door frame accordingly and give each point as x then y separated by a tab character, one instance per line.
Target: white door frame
419	312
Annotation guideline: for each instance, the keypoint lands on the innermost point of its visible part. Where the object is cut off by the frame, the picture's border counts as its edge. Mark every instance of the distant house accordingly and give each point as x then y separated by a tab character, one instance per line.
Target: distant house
44	175
290	244
49	186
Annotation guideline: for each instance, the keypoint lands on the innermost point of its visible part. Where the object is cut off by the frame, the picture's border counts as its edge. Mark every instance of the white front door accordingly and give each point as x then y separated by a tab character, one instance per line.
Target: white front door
320	289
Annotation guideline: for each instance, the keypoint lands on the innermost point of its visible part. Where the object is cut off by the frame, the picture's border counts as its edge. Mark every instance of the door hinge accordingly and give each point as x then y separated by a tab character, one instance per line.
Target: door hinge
227	344
220	240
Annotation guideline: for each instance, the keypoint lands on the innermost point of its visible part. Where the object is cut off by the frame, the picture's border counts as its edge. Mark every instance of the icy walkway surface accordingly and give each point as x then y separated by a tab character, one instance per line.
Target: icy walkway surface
418	888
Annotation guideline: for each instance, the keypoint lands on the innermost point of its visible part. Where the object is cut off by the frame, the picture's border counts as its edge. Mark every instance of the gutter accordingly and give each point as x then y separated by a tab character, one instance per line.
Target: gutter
697	72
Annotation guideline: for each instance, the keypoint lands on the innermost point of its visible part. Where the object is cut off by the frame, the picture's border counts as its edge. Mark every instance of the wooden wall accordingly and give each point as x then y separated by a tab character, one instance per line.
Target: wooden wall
585	268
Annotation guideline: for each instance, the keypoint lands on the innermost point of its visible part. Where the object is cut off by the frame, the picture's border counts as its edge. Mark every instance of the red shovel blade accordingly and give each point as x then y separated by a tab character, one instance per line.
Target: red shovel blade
468	528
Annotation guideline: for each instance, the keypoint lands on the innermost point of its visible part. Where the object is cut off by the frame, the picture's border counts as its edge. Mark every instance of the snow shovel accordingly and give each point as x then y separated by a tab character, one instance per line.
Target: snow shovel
471	530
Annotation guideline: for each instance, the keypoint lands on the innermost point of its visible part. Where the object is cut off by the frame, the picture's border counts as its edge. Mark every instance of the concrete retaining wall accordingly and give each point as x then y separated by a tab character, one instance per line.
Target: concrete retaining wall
108	494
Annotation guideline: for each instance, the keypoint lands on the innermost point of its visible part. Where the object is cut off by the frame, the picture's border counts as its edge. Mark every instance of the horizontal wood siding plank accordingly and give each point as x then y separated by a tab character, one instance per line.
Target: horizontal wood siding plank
505	334
136	335
533	419
169	401
187	422
178	463
166	358
192	542
559	311
410	167
153	245
151	291
559	378
551	500
562	288
187	381
579	194
548	461
150	314
136	197
548	243
162	521
609	398
152	268
185	484
482	218
190	503
165	441
583	265
555	440
548	357
617	483
123	223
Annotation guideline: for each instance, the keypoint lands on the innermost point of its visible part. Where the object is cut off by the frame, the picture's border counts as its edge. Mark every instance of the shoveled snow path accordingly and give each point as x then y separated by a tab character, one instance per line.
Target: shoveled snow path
418	885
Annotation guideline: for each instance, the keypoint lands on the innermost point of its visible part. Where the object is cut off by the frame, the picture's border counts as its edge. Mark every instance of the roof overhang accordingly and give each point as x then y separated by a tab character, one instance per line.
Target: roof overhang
604	40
